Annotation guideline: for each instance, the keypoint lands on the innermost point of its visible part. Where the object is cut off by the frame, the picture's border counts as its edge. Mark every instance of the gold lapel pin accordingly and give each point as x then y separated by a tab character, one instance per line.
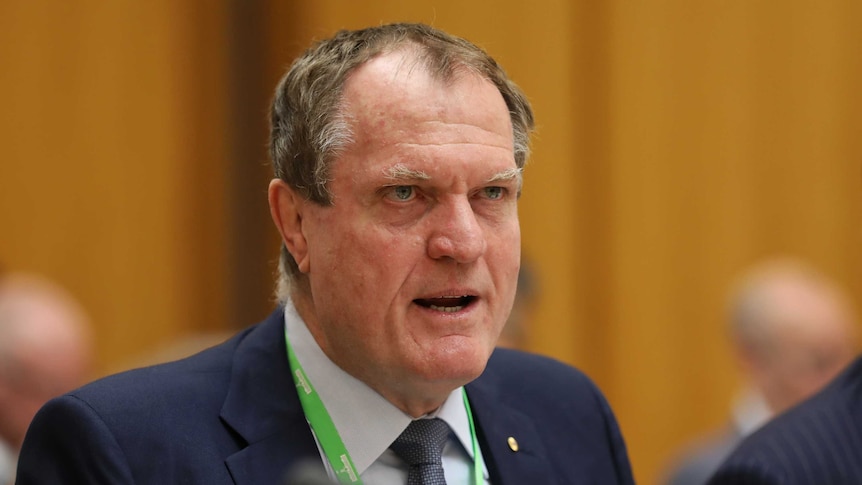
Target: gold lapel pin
513	443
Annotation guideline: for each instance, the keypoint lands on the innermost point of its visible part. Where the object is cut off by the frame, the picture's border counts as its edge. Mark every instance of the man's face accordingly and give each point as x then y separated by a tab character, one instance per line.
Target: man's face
813	341
413	268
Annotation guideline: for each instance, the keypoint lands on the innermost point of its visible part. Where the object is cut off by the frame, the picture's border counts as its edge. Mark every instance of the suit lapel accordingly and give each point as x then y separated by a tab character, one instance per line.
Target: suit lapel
263	409
495	424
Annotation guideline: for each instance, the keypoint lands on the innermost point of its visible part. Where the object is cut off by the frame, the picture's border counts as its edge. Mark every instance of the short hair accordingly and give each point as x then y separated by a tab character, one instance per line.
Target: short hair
309	128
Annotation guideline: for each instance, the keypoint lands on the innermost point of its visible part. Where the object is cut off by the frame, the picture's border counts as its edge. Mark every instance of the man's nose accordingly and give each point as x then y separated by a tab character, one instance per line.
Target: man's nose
456	232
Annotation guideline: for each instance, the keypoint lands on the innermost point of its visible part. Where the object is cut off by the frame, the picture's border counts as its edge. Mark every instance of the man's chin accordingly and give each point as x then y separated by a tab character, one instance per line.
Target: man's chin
457	366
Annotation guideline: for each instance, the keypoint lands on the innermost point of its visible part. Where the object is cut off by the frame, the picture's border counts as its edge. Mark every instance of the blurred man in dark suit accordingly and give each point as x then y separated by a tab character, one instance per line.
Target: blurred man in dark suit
793	331
816	442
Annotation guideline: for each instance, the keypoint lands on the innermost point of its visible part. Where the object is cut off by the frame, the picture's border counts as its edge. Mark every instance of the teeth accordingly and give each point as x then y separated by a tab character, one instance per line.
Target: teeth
447	309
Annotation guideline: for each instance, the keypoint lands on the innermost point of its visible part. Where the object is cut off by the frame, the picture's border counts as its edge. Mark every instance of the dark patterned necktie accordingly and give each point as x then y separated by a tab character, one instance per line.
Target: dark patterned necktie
421	446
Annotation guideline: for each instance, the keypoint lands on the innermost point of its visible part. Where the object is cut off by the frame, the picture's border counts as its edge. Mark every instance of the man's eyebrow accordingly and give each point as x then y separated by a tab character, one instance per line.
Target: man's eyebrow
507	175
400	172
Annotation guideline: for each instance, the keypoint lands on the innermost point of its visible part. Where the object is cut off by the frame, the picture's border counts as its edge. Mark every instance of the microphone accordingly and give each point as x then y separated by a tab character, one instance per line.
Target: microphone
307	472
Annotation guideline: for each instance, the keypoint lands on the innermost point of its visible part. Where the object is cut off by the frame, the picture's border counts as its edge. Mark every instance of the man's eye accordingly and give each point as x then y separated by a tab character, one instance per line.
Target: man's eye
494	192
402	192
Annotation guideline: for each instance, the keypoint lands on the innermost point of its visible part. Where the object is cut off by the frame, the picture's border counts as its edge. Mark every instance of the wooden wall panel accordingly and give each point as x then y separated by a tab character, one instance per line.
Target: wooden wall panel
732	139
105	181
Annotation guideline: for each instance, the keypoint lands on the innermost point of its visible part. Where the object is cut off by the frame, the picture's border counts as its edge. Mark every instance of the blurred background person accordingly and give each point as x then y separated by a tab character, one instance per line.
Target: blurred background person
45	350
792	331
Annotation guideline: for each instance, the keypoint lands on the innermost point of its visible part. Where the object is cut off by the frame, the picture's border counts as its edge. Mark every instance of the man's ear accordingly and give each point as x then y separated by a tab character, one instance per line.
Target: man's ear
286	208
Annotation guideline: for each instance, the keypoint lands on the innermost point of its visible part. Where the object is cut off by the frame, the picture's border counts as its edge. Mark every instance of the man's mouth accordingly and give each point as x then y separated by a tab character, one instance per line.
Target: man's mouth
448	304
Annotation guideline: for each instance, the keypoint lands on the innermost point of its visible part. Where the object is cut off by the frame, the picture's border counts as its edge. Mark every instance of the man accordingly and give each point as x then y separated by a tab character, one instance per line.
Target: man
398	153
44	351
818	441
792	332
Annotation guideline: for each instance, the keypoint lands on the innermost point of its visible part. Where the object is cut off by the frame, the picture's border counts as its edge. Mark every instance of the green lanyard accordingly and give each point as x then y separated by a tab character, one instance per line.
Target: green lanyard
328	436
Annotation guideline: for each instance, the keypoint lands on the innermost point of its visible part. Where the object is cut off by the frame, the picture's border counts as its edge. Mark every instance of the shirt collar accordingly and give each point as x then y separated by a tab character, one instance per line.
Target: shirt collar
365	420
750	411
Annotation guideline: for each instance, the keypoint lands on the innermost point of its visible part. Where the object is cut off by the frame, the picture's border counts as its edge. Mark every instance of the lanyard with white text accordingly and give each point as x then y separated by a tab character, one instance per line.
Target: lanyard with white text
323	427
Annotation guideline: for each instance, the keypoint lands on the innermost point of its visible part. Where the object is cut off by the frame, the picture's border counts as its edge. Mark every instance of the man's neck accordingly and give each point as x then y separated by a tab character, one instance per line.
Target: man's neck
410	399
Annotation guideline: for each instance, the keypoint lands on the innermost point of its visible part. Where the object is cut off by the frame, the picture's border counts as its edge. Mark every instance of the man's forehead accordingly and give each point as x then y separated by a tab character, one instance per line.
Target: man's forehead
385	108
390	80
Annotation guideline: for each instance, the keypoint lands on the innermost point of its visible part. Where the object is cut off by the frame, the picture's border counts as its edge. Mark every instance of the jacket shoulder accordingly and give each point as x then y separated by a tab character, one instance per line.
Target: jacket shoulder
818	441
577	431
532	376
150	387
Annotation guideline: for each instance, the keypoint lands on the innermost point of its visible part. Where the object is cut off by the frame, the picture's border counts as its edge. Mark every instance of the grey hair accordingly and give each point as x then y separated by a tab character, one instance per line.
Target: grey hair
309	127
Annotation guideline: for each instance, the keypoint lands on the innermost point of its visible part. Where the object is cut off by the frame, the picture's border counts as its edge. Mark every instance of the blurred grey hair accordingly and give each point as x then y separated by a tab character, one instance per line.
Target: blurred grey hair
309	127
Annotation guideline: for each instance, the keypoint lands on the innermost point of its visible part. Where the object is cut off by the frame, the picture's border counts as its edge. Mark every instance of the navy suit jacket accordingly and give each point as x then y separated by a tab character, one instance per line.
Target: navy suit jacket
818	442
231	415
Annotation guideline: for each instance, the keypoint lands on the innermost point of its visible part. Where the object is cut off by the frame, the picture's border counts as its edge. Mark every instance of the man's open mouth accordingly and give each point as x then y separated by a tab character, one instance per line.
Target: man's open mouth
448	304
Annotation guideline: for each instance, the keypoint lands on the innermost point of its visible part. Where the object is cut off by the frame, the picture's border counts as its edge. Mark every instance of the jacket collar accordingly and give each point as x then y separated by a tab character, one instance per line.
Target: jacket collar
263	409
497	423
